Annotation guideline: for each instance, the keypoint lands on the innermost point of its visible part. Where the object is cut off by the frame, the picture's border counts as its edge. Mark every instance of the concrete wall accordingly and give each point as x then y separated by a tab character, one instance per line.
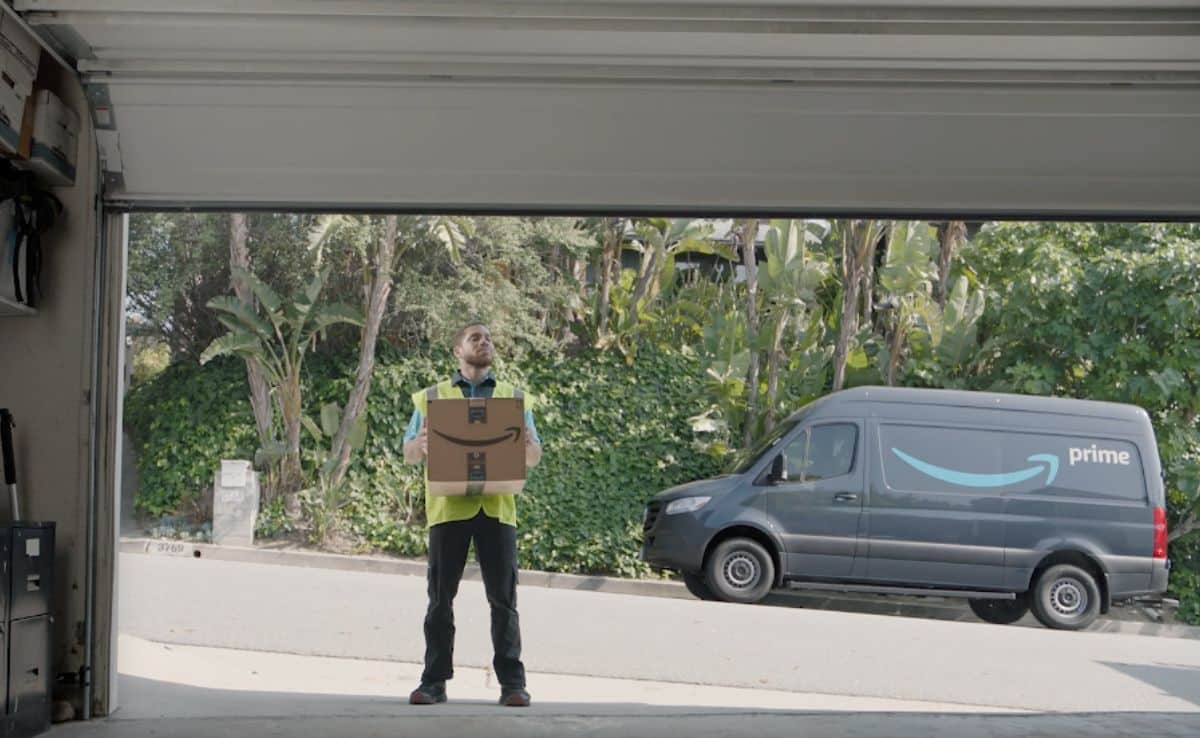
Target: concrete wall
45	378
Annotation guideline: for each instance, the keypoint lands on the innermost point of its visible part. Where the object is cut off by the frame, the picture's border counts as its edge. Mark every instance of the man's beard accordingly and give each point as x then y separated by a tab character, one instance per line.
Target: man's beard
478	362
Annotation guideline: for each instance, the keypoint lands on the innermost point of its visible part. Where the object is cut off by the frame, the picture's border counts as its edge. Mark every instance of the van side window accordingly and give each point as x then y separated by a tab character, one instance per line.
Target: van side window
1007	462
822	452
831	451
796	455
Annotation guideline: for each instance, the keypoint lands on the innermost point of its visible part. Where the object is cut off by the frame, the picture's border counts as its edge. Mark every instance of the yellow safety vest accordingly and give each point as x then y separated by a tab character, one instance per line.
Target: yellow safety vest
445	509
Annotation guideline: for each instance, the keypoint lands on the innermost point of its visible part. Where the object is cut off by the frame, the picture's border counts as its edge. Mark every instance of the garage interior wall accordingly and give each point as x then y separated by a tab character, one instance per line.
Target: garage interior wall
46	379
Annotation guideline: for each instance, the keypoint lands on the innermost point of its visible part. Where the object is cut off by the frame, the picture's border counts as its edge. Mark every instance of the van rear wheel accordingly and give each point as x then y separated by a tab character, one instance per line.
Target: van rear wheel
1000	612
1066	597
740	570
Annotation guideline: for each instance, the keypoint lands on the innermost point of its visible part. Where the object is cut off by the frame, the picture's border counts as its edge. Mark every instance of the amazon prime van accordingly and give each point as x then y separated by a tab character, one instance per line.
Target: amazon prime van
1012	502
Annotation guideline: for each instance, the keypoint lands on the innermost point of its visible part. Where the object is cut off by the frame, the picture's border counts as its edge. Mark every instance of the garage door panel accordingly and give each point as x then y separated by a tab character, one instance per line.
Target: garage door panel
986	107
394	144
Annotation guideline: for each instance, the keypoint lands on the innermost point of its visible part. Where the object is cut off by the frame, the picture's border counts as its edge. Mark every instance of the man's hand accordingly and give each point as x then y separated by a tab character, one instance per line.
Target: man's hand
417	449
533	450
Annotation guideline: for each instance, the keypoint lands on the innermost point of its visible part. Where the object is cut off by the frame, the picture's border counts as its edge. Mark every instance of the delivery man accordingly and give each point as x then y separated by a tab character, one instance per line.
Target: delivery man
489	520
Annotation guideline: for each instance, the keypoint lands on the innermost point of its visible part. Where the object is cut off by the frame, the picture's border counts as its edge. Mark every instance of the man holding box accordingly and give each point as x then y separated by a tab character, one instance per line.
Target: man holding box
454	521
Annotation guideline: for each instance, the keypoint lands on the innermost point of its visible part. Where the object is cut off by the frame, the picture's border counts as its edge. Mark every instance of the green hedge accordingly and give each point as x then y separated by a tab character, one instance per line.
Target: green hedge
614	435
183	423
1185	578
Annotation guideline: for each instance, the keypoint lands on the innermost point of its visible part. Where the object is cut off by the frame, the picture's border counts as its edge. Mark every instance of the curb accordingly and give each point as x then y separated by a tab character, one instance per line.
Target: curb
381	565
891	605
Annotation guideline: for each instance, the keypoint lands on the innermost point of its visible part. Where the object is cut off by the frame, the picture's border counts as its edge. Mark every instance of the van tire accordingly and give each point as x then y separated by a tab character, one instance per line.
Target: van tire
1066	597
1000	612
698	587
740	570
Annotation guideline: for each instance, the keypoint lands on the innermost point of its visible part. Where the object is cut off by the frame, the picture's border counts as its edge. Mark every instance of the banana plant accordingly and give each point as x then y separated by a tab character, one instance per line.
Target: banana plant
660	241
856	240
452	231
327	494
917	324
806	372
789	283
906	280
279	334
958	339
621	325
724	357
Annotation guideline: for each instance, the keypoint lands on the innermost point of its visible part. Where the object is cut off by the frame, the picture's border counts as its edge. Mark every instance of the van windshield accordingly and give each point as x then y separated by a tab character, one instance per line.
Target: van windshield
743	460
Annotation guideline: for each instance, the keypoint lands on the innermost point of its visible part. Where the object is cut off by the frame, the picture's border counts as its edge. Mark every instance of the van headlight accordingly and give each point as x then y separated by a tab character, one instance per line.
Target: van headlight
686	504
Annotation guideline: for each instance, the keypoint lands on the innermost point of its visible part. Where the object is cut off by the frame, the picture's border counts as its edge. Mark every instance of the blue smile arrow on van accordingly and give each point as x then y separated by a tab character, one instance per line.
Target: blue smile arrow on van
1044	462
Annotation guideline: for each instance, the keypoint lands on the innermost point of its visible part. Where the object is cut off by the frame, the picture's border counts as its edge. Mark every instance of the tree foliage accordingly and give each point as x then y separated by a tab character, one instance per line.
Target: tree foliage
1107	312
615	435
654	307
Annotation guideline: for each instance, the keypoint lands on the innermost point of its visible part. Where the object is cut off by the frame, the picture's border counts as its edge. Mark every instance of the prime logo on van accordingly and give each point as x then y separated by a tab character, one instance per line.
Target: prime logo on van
1096	455
1044	463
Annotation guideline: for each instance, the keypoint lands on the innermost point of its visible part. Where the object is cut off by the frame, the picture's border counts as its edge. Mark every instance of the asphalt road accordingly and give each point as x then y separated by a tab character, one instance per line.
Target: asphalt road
321	612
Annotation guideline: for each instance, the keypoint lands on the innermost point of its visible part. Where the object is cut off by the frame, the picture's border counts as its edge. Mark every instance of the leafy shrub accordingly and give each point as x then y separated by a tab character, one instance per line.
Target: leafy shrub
614	436
1185	579
183	422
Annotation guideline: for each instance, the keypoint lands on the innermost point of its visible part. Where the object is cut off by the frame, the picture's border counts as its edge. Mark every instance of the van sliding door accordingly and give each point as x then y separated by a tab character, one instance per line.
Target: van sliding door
937	506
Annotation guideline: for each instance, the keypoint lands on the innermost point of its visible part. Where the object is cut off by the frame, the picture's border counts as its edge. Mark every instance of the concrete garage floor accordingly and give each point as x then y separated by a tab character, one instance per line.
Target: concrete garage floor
634	720
579	721
196	692
204	652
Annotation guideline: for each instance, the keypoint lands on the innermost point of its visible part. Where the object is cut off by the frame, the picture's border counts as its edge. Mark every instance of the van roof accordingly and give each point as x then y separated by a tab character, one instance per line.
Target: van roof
984	400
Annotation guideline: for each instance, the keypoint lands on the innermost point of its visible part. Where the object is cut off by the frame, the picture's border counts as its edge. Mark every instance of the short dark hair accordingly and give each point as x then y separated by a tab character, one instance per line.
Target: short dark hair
462	332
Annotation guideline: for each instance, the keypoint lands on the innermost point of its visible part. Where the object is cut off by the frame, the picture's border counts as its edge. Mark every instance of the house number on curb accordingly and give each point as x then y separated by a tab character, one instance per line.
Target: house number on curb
165	547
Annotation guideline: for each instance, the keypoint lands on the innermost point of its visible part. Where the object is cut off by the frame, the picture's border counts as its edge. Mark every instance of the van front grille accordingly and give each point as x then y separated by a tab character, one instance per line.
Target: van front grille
652	512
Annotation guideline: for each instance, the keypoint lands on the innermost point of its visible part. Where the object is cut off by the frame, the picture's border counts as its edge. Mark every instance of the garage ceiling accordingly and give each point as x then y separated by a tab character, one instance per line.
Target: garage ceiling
1022	108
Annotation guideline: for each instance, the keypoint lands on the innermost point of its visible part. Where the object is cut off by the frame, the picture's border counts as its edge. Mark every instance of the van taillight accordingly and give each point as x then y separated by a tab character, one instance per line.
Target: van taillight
1160	533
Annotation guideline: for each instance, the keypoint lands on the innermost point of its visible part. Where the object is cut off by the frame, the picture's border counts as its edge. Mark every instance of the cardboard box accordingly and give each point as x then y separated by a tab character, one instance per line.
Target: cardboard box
20	54
12	112
55	139
476	447
19	57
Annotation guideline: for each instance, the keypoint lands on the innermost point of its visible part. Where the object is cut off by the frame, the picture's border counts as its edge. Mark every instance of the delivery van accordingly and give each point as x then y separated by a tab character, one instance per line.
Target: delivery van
1015	503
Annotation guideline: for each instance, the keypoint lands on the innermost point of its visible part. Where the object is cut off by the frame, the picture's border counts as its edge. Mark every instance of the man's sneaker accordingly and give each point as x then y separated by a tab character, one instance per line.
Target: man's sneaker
510	697
428	694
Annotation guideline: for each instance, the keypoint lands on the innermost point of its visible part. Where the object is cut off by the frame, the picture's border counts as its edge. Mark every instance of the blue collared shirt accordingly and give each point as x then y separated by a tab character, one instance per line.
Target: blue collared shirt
484	388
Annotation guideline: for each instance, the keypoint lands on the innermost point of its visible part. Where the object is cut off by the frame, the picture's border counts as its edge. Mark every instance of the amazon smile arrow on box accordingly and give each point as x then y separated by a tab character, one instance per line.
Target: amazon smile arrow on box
476	447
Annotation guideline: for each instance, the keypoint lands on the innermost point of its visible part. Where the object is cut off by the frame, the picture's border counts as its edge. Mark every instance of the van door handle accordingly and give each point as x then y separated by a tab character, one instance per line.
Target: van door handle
845	497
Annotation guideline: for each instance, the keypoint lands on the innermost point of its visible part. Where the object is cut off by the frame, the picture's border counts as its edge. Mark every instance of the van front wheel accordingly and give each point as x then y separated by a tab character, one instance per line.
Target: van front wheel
698	587
1000	612
1066	598
740	570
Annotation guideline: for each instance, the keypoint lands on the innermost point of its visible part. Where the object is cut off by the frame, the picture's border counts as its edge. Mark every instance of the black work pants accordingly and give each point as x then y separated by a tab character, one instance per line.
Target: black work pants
496	551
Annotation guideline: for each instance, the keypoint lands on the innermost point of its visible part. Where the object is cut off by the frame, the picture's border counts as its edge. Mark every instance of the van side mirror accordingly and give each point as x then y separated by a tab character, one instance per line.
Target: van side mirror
778	470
